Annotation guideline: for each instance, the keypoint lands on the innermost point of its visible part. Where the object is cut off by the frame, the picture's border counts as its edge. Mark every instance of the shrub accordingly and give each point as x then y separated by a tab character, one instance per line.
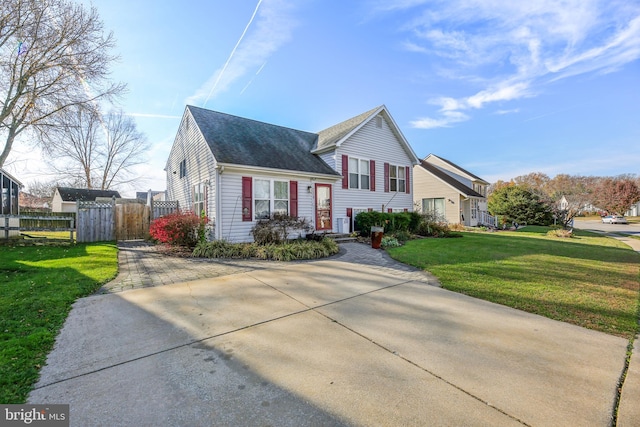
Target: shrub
277	228
560	233
296	250
390	242
433	229
179	229
392	222
402	235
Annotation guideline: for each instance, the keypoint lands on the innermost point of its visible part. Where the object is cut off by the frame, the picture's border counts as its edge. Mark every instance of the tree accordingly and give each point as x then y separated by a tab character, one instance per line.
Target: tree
98	151
53	55
519	204
616	195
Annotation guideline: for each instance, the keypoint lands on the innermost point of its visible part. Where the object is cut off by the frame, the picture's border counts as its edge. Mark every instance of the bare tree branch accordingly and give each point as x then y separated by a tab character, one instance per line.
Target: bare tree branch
54	55
98	150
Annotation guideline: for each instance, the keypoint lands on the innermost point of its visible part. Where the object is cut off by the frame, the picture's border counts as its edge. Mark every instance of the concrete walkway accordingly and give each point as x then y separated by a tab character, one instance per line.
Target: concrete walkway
356	339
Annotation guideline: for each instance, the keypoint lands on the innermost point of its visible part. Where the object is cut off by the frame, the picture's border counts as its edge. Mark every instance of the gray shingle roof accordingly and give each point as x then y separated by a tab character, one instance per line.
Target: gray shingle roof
240	141
83	194
461	169
330	136
450	180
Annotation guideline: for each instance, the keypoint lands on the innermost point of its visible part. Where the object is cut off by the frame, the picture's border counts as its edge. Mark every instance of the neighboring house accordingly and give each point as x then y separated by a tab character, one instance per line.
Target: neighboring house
634	210
9	194
451	192
155	195
238	170
9	202
35	203
65	198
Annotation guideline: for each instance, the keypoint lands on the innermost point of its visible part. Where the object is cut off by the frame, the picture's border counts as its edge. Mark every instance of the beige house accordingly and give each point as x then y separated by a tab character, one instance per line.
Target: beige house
454	194
65	198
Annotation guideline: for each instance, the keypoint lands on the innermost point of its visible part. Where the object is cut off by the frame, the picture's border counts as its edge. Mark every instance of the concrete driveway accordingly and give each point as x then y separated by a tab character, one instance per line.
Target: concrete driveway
328	342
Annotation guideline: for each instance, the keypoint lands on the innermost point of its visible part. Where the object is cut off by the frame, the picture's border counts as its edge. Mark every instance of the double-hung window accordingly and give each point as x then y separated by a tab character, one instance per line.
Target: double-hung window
397	178
198	199
359	173
270	196
183	168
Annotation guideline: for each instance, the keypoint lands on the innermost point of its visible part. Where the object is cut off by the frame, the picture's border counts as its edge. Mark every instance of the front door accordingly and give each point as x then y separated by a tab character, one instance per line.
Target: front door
323	207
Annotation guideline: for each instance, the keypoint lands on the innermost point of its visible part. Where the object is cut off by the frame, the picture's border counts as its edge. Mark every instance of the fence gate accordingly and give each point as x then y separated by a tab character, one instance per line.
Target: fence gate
95	221
132	221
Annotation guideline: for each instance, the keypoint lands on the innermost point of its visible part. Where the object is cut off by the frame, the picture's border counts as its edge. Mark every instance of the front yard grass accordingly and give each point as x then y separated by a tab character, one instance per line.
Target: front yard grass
588	280
38	284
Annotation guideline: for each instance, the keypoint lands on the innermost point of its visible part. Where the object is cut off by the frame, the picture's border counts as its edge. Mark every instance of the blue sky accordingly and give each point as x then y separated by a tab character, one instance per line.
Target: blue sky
502	88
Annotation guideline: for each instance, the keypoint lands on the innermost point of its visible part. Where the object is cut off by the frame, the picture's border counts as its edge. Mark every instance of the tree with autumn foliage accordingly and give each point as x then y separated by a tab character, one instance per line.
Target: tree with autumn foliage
616	195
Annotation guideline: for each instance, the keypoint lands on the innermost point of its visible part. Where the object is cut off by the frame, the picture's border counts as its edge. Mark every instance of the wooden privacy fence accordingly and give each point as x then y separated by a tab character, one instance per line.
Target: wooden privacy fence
118	219
96	221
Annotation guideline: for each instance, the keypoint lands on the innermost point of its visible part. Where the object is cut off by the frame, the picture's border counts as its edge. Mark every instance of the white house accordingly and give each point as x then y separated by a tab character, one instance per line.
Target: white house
238	170
451	192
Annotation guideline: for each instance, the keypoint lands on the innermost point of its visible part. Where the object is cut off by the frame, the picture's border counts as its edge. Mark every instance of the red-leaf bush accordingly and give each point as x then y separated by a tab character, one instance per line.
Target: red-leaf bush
179	229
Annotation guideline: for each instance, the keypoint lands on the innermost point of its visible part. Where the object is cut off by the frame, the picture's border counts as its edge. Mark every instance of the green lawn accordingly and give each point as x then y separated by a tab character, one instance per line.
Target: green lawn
588	280
38	284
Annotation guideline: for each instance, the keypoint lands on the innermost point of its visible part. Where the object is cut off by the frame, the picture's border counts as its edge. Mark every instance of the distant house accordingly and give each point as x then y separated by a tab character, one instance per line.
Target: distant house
634	210
451	192
9	194
65	198
35	203
155	195
238	170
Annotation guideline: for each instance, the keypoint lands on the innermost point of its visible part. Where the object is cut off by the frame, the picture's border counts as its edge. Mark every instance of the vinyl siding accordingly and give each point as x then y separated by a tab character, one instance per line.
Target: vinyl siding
233	228
427	186
380	145
201	166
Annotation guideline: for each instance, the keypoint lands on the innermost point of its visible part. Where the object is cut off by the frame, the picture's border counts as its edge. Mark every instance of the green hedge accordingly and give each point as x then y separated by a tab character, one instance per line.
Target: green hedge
392	222
296	250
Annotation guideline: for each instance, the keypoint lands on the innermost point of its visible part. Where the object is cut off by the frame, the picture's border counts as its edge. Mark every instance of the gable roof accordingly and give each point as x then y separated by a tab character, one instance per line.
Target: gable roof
239	141
464	171
331	137
448	179
334	136
69	194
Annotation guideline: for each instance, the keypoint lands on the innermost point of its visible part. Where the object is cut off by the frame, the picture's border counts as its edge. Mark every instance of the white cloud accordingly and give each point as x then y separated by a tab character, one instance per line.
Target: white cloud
264	35
448	118
515	47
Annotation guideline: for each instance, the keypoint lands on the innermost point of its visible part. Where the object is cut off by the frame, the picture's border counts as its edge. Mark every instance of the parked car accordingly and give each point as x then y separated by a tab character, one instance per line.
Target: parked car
614	219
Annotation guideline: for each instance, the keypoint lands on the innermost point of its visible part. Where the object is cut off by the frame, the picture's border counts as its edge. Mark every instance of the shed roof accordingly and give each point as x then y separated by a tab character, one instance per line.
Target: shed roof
69	194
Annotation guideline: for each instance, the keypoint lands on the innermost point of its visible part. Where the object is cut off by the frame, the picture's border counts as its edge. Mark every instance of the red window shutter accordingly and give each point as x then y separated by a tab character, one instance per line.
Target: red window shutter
349	212
386	177
389	210
372	175
247	189
293	198
406	184
345	171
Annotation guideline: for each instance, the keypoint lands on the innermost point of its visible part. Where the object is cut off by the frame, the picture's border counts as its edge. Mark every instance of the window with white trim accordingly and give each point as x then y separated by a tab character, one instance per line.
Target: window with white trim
434	206
270	196
198	199
359	173
397	178
183	168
